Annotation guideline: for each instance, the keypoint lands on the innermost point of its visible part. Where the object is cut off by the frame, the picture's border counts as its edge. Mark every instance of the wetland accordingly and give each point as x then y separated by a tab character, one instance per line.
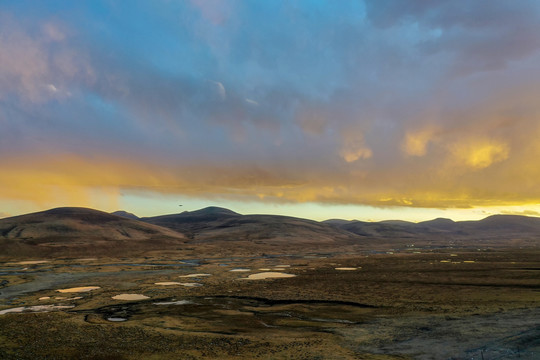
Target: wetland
431	304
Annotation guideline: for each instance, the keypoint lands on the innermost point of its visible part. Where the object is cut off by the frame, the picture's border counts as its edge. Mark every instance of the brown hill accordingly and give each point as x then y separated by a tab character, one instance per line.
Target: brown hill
75	231
218	224
193	222
81	231
496	230
125	214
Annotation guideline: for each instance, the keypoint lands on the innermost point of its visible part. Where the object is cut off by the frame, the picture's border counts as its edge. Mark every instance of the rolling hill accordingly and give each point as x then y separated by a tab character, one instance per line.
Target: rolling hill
80	231
497	230
125	214
213	224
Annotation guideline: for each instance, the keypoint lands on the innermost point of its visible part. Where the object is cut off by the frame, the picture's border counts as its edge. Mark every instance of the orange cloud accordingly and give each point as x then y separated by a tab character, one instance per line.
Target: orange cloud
354	148
480	154
463	177
415	142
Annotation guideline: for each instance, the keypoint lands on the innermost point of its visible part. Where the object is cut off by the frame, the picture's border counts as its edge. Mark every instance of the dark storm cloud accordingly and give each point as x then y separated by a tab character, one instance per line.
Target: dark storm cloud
481	35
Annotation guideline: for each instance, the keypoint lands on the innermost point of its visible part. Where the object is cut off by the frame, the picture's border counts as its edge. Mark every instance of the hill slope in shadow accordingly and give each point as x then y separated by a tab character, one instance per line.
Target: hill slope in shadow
219	224
495	230
80	231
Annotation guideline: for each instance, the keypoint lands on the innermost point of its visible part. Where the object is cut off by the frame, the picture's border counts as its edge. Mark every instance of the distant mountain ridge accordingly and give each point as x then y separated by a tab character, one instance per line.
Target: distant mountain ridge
214	223
494	227
73	231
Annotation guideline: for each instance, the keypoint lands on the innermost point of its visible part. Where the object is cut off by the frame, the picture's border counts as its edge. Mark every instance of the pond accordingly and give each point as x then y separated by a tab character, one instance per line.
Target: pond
268	275
130	297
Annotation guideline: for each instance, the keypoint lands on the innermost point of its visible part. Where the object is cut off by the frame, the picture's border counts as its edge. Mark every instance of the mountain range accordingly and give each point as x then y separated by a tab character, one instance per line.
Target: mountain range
75	231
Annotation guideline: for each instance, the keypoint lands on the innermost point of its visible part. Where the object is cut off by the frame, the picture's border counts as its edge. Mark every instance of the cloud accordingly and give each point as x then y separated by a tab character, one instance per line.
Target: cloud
52	88
220	90
523	212
53	32
476	36
355	149
413	103
479	154
29	64
252	102
67	179
215	11
416	142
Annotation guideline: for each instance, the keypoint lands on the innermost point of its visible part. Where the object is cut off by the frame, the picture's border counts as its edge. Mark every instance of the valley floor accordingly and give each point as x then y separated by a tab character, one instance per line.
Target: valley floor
421	304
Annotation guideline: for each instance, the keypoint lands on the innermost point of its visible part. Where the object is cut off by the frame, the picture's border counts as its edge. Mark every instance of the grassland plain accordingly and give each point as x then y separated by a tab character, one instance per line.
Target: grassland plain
426	304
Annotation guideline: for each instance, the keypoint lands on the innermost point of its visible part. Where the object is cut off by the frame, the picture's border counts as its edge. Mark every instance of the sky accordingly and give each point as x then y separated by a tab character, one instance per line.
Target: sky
370	110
